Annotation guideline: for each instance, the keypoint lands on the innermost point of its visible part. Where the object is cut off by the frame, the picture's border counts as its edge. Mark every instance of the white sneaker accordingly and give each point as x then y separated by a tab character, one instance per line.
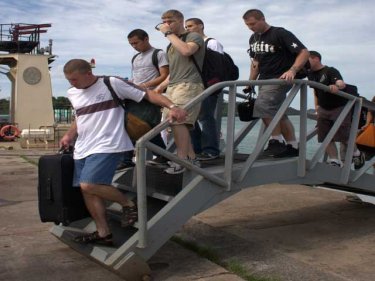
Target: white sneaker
335	163
174	168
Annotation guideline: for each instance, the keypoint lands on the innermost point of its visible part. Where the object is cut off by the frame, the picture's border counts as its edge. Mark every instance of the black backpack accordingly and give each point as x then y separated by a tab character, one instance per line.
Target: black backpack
155	60
217	67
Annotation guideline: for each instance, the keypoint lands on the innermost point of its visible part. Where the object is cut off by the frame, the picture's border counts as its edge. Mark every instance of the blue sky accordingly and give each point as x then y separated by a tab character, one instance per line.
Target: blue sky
339	30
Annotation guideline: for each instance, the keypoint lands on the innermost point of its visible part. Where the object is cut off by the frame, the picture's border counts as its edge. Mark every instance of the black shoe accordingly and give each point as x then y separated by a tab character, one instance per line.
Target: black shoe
274	147
289	151
124	165
359	161
158	161
206	156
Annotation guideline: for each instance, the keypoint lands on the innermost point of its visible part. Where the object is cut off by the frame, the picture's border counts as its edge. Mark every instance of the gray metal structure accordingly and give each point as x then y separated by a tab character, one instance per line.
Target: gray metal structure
166	202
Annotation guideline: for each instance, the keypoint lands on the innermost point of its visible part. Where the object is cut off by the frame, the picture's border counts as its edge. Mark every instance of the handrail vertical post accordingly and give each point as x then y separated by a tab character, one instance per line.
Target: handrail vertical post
230	136
141	194
302	132
350	145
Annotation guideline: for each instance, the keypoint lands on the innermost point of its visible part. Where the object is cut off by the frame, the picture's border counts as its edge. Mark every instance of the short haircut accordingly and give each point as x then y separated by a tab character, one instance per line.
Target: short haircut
315	54
172	14
79	65
196	21
255	13
140	33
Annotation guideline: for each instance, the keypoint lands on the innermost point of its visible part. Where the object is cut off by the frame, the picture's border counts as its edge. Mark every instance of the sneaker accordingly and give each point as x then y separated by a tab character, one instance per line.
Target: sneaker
195	162
274	147
206	156
335	163
125	165
158	161
359	161
289	151
174	168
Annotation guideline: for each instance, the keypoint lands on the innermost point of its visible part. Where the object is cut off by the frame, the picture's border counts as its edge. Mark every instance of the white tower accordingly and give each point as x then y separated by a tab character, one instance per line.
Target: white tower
31	90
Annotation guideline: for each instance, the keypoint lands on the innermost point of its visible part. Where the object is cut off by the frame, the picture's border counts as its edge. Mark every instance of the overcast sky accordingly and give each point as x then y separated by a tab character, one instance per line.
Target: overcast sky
339	29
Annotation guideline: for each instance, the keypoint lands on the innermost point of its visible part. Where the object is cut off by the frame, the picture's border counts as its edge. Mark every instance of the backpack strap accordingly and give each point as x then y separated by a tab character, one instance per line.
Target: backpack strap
206	42
107	82
155	60
133	58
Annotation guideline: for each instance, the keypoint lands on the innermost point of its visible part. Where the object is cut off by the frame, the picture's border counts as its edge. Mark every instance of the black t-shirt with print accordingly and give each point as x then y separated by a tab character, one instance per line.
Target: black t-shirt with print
327	76
275	50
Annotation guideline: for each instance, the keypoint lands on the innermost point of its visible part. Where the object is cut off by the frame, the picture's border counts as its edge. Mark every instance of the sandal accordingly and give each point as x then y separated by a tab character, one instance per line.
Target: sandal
129	216
94	238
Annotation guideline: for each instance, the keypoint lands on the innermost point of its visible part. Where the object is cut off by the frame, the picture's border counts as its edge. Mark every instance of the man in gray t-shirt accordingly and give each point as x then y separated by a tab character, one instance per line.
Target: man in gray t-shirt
149	68
144	73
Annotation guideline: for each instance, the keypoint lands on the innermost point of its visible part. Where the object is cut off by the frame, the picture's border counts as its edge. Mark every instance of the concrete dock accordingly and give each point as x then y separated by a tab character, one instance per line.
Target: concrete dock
279	232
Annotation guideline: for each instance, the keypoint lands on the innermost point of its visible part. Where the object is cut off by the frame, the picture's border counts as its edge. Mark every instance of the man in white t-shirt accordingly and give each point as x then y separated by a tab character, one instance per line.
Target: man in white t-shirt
205	136
100	141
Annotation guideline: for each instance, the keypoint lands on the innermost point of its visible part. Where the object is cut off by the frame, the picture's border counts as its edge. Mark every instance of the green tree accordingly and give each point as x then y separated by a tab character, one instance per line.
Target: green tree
4	106
61	102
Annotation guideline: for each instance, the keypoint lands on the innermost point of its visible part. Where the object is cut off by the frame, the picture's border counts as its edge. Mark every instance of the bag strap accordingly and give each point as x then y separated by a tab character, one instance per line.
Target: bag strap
155	60
117	100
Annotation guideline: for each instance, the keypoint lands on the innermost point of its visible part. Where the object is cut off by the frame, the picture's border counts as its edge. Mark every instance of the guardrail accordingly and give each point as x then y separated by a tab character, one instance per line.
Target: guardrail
232	140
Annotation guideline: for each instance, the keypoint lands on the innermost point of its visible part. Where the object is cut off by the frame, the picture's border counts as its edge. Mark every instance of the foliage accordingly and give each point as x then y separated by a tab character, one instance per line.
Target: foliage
61	102
4	106
57	103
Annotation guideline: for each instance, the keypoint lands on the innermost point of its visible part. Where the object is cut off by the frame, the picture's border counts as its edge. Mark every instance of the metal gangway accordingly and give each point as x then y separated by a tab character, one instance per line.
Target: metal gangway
166	202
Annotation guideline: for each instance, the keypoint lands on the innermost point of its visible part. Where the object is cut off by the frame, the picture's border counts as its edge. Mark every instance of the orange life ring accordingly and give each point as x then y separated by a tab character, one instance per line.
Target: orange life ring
9	132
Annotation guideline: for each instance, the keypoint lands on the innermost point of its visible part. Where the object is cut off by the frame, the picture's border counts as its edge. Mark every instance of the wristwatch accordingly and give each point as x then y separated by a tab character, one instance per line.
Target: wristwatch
168	33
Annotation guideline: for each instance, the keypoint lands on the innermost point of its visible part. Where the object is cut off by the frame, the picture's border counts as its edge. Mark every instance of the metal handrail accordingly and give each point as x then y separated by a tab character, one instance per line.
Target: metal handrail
232	141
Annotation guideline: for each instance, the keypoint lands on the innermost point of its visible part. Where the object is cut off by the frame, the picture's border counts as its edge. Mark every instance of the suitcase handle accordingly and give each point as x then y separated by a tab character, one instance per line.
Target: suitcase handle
64	150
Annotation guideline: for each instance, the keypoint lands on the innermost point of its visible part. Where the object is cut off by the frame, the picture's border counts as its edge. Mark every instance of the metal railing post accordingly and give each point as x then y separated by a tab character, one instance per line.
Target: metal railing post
302	132
141	195
230	136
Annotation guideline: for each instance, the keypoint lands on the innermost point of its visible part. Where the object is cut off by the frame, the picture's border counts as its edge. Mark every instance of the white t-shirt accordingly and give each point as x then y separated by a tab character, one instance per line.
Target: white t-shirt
143	70
214	45
100	122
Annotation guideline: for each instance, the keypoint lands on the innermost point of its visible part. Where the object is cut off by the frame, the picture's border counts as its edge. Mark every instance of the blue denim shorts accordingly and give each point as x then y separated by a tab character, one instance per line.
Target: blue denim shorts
97	168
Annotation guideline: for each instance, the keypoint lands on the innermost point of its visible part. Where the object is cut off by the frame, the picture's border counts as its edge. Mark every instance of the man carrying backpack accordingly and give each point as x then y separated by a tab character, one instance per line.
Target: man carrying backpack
149	68
205	139
328	107
184	82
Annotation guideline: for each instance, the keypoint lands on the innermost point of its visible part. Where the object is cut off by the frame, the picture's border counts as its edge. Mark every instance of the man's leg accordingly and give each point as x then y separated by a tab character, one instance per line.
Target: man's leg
95	195
183	143
196	138
276	143
210	134
99	168
159	160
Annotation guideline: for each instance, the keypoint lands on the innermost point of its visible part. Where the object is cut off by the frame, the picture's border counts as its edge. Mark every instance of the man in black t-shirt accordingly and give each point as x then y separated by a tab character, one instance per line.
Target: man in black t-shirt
328	107
276	54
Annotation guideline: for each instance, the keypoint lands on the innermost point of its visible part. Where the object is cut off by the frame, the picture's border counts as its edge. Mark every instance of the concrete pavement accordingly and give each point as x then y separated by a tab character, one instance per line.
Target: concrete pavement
280	232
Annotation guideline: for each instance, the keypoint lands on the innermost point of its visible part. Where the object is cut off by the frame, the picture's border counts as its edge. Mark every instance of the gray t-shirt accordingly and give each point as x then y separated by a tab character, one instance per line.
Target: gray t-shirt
182	68
143	70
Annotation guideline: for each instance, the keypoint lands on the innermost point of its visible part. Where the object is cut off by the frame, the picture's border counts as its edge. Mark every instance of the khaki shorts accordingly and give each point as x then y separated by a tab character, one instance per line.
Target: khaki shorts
182	93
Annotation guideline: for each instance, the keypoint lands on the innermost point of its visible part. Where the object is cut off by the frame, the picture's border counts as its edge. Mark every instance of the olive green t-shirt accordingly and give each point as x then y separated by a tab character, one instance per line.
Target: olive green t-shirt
182	68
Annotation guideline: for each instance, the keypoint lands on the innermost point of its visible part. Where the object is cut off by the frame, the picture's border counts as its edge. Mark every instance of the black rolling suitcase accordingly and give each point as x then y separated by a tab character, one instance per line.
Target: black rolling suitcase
59	201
